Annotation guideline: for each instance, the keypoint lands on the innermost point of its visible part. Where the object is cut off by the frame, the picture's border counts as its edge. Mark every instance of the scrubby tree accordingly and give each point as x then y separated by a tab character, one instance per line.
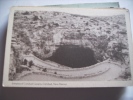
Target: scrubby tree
45	70
14	63
117	53
35	18
24	38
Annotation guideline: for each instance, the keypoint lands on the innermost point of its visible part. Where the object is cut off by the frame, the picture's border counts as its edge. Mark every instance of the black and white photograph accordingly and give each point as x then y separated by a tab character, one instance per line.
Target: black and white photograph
61	46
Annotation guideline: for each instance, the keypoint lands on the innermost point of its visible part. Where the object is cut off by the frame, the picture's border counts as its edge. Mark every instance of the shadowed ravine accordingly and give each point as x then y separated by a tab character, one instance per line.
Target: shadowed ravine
74	56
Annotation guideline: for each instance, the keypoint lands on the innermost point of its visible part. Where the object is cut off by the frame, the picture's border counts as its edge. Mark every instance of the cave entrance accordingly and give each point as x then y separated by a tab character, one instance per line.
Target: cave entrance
74	56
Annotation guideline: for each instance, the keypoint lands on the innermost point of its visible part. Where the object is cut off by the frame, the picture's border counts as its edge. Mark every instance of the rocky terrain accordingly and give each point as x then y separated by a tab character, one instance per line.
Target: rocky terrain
42	33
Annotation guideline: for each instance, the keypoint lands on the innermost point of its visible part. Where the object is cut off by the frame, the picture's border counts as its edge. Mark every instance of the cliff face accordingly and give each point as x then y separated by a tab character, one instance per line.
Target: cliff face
106	36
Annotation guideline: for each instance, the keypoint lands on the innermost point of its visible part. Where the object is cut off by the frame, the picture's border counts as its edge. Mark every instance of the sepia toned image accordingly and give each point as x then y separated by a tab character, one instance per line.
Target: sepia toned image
48	45
57	46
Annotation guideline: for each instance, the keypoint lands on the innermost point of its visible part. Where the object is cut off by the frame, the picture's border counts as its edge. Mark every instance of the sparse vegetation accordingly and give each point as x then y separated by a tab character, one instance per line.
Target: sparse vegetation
33	32
14	63
126	74
32	23
44	70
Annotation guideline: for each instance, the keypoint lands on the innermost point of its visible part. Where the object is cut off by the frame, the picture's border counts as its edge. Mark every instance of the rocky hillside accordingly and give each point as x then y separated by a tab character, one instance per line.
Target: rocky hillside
40	33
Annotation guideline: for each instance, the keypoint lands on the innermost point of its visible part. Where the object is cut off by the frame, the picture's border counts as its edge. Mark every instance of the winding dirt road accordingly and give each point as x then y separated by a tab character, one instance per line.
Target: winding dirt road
113	72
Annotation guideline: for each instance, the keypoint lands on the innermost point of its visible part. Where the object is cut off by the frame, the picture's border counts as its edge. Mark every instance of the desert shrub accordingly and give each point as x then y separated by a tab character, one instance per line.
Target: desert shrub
19	70
126	74
14	63
31	63
35	18
117	53
26	51
12	73
26	13
44	70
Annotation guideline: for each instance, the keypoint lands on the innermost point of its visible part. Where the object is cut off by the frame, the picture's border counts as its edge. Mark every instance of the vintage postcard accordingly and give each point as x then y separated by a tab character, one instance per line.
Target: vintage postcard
68	47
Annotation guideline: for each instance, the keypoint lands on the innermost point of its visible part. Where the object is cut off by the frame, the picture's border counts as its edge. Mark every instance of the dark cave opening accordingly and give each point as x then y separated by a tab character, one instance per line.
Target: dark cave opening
73	56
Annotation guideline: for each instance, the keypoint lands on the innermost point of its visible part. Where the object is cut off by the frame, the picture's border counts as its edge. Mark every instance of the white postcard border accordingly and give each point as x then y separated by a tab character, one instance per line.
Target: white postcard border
82	11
